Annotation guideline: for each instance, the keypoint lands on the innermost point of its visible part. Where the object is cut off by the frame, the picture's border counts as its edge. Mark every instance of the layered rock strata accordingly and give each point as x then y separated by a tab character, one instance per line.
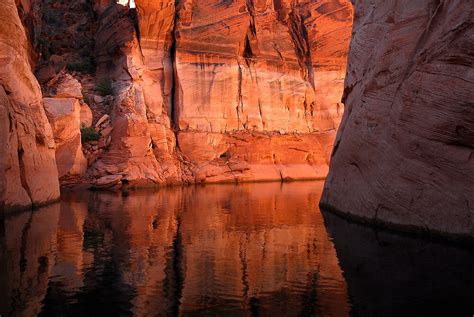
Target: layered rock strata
202	71
404	152
28	174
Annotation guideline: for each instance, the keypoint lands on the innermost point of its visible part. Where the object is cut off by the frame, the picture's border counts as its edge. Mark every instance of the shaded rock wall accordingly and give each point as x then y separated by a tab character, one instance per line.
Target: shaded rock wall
404	152
28	174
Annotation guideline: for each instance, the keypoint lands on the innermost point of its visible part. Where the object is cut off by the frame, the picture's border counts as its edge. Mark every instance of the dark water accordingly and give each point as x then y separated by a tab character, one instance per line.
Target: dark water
222	250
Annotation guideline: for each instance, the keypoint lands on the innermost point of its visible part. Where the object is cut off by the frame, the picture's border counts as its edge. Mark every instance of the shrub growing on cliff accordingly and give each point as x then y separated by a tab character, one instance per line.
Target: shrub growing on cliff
104	87
87	99
89	134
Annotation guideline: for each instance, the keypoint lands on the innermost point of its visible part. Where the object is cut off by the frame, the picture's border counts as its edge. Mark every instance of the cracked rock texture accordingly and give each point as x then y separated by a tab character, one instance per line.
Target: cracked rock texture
28	174
404	153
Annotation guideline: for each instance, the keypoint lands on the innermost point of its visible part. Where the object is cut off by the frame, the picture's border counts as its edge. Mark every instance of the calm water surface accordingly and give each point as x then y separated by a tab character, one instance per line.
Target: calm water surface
220	250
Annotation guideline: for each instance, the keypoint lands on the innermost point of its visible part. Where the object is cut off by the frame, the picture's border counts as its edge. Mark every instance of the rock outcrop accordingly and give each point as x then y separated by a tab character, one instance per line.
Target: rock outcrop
212	70
64	114
404	152
28	174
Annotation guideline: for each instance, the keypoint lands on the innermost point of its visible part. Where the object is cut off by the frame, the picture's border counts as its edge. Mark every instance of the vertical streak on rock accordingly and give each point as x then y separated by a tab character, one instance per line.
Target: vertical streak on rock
240	103
299	36
175	80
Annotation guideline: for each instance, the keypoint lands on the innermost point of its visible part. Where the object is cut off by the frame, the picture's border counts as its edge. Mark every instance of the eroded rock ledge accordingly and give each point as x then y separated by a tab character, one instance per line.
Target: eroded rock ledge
404	152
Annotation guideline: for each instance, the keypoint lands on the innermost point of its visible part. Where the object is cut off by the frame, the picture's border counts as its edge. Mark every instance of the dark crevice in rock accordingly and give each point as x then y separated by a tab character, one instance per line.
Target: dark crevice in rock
299	36
174	93
240	102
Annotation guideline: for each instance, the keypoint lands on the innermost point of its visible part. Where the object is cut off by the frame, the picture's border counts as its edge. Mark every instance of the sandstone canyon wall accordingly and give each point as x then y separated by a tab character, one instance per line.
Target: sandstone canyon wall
214	91
170	92
404	151
28	174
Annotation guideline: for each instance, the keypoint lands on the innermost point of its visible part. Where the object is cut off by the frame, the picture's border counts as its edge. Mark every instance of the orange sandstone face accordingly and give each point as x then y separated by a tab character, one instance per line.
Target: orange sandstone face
267	66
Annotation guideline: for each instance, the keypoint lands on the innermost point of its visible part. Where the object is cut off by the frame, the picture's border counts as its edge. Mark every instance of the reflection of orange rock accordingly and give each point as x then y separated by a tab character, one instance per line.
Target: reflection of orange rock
71	258
258	248
188	249
30	240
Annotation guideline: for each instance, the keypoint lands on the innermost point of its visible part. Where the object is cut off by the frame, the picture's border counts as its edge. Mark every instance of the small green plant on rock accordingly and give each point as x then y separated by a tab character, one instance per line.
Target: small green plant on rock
104	87
87	99
89	134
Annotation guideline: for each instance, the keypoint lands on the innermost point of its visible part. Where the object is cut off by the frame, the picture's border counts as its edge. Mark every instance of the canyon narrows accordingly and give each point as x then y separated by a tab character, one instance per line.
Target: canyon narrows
175	91
236	157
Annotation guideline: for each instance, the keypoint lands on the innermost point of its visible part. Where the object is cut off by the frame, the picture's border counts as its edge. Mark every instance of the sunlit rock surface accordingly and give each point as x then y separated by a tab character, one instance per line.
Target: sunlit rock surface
404	152
219	68
260	65
28	172
64	114
239	71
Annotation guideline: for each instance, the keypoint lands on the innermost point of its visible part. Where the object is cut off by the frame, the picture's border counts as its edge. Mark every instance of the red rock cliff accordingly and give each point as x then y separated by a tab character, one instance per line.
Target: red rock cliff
251	89
201	91
404	152
28	174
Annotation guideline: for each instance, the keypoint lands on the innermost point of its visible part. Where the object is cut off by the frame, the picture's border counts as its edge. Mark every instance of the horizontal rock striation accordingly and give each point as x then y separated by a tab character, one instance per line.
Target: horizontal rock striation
28	174
404	153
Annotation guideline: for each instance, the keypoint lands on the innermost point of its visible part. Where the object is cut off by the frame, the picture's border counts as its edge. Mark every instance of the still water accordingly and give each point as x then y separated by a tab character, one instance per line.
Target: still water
220	250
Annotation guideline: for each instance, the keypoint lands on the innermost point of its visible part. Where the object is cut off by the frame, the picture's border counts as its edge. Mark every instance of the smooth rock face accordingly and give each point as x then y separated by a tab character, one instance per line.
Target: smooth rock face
28	172
404	152
86	116
68	87
64	114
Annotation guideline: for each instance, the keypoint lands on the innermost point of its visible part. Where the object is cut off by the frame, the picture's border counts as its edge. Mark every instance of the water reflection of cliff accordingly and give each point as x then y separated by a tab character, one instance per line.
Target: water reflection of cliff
394	275
223	250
